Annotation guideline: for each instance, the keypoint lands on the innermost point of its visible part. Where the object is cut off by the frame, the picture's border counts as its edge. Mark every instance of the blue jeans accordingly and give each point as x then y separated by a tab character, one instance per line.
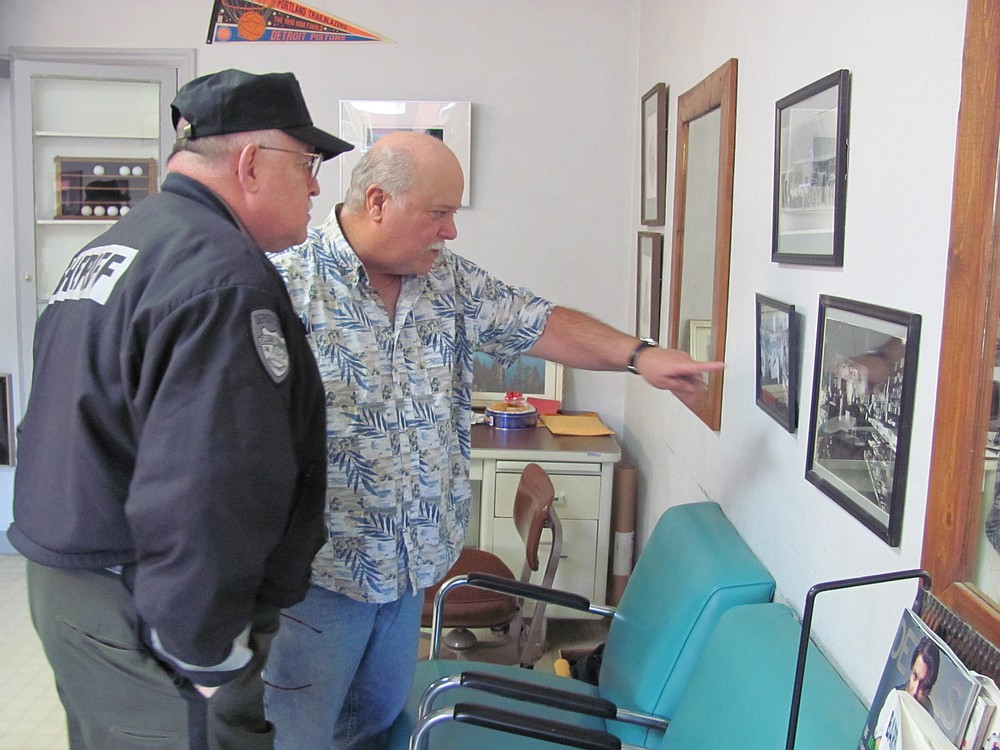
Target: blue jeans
340	670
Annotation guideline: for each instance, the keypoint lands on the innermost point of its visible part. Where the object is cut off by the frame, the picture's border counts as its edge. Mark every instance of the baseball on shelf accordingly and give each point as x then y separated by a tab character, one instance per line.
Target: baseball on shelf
98	210
86	210
137	171
112	210
124	171
98	170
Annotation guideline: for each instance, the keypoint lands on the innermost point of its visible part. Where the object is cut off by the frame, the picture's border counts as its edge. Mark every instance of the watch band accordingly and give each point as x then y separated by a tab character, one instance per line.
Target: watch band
643	344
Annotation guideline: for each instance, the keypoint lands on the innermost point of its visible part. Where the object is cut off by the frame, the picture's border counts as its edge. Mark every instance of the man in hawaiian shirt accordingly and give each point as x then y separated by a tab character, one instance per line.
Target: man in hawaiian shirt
394	319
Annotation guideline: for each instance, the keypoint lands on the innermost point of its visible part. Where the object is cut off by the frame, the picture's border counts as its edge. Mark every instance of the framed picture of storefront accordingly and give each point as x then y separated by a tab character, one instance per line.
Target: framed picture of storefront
778	361
810	173
862	410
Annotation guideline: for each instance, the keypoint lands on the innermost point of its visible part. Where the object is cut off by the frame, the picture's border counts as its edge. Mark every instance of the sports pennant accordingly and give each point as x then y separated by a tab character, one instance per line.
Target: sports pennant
280	21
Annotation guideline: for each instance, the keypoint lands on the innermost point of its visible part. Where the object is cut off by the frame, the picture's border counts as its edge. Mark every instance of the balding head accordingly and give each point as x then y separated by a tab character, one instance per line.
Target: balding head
396	162
400	208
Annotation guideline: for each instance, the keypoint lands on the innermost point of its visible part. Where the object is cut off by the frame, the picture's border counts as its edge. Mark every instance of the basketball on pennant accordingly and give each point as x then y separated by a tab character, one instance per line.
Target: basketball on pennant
251	26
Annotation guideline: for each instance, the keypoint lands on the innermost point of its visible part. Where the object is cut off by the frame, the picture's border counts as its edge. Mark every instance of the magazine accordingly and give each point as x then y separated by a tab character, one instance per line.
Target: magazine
989	733
922	665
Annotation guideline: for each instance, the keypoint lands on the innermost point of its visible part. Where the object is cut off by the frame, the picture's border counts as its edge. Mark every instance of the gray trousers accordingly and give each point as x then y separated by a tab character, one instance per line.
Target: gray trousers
117	696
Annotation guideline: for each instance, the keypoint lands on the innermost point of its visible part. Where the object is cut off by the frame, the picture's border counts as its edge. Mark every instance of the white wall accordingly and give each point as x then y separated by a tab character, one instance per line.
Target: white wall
905	60
551	142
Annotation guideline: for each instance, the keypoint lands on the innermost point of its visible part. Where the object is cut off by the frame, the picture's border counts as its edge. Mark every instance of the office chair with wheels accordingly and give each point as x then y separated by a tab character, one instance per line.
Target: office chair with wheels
464	606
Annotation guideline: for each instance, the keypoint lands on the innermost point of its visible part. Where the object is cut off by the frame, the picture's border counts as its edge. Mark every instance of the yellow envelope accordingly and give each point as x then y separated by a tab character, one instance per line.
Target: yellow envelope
575	424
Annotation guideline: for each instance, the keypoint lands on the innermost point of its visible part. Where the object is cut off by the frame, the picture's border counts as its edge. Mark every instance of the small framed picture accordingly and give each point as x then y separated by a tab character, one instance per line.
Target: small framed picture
810	173
700	339
532	377
778	361
649	284
862	410
6	420
654	156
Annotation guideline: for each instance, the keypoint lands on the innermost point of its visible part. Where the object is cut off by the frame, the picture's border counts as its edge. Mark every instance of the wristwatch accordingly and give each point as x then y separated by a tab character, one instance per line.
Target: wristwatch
643	344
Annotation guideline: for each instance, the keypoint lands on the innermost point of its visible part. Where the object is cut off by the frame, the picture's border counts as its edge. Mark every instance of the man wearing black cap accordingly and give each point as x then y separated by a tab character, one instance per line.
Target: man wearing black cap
171	467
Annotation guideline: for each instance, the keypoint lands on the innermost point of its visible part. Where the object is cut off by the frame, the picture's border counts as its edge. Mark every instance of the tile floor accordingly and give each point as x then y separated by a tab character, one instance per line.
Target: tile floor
31	717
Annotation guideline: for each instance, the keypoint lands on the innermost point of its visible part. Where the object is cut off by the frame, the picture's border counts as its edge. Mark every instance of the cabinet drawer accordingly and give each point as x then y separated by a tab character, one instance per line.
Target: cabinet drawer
576	496
576	567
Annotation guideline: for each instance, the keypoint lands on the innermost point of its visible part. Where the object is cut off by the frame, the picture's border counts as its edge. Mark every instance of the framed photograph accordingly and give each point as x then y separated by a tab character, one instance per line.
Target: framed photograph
862	410
700	339
649	284
810	173
364	121
778	361
6	420
531	376
654	156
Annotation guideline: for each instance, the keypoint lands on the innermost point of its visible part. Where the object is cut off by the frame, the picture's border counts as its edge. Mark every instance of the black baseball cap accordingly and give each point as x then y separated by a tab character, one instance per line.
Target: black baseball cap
234	101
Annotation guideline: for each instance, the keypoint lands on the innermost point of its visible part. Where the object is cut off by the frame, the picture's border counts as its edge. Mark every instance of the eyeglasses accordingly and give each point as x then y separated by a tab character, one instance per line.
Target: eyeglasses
315	160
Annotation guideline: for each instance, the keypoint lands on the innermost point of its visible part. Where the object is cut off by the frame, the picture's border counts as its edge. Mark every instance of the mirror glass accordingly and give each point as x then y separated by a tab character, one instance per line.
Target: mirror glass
700	208
986	570
703	213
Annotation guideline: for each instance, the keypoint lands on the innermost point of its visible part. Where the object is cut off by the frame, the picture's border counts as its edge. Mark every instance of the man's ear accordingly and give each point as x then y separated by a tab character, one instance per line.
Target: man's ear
248	168
375	198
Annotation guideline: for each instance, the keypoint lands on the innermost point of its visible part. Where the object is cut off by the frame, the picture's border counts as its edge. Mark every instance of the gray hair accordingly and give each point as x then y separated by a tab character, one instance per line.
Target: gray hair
213	147
391	167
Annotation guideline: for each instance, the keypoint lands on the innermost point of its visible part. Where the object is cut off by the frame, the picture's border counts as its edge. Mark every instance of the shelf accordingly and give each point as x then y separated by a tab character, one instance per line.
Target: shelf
51	134
64	222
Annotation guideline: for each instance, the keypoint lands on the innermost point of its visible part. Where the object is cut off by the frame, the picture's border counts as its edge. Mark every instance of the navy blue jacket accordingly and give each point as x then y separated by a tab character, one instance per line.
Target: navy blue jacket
176	424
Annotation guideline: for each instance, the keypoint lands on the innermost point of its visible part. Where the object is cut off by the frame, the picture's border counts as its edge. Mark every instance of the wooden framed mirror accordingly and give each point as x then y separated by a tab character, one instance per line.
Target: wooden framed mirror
962	491
703	221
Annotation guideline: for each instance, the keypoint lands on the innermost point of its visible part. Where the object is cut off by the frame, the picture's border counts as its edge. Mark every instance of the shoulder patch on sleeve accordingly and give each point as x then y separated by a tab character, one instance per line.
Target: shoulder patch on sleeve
269	340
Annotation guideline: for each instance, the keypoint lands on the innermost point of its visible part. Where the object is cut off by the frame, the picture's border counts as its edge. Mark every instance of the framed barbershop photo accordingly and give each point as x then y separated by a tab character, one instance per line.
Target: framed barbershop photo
810	173
6	420
649	284
364	121
654	156
862	410
778	361
530	376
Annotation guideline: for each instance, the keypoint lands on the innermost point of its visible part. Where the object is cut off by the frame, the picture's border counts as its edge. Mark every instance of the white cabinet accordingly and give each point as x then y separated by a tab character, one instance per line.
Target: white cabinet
577	503
81	116
581	469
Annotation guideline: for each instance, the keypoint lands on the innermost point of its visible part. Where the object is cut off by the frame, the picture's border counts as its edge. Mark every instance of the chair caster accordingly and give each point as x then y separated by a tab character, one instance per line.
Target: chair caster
460	639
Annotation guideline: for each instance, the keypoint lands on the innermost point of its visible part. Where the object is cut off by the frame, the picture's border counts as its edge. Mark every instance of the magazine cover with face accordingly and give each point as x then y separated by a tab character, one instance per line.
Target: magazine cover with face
923	666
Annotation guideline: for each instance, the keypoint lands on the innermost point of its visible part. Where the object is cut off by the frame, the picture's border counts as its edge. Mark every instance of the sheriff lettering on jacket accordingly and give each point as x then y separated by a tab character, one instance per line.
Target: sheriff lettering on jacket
93	273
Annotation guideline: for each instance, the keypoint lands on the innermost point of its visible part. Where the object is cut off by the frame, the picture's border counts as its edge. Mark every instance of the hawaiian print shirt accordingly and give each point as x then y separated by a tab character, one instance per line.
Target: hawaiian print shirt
398	406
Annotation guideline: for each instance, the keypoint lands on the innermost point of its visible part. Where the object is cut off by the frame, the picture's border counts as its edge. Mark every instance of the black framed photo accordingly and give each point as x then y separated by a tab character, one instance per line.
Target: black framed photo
649	284
778	361
810	173
862	410
6	420
654	156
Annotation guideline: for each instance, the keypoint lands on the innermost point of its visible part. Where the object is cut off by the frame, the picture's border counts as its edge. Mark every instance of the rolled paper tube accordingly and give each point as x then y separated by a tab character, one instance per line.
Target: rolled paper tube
624	499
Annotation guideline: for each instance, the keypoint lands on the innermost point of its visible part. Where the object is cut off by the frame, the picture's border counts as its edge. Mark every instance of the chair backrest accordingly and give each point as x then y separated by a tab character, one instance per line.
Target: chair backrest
741	690
532	508
694	567
533	513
